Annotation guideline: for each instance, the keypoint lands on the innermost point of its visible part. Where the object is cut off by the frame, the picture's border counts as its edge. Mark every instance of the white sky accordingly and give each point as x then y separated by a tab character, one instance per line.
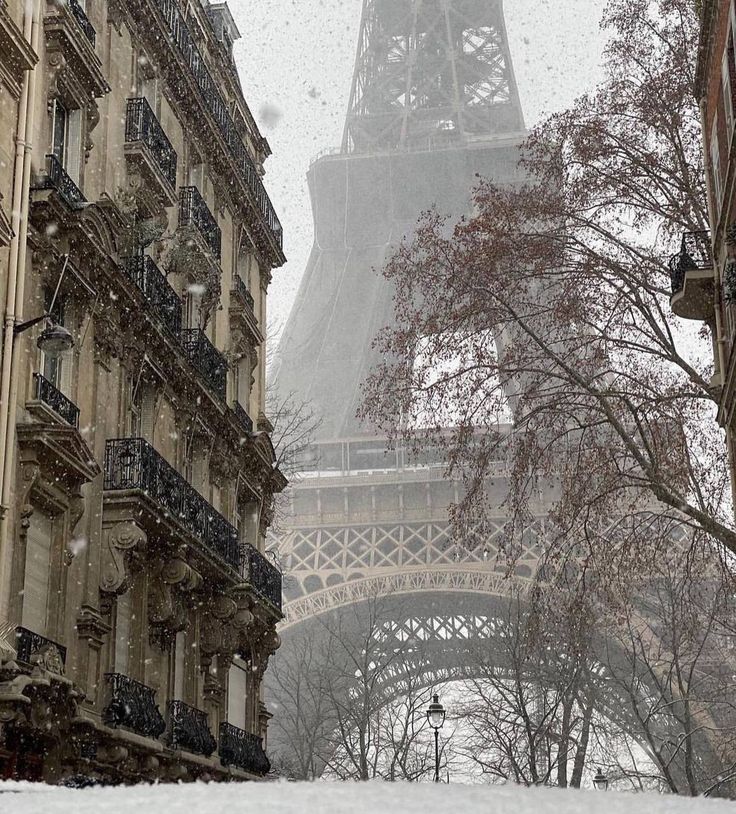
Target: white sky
296	65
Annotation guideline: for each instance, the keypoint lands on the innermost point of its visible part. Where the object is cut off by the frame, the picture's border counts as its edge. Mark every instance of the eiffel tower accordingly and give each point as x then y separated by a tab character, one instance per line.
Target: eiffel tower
434	104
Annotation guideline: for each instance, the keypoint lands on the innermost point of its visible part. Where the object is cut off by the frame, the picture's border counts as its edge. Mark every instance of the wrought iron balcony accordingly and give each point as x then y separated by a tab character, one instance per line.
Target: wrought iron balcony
691	275
162	298
59	403
245	420
694	255
218	108
56	178
241	290
133	705
263	576
193	211
242	749
80	16
31	647
188	729
132	463
206	358
141	125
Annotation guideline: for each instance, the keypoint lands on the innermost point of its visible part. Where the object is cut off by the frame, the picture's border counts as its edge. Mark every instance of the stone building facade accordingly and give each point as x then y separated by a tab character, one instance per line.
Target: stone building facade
137	605
704	270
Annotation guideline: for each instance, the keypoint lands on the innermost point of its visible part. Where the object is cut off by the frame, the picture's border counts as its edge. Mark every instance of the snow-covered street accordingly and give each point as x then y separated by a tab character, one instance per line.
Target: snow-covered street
341	798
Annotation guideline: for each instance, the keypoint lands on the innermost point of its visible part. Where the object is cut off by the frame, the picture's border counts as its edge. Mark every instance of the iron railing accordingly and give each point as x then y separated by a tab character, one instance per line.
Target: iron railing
80	16
262	575
245	420
141	125
159	294
188	729
57	178
241	291
206	358
132	463
695	253
29	644
193	211
242	749
218	108
133	705
54	398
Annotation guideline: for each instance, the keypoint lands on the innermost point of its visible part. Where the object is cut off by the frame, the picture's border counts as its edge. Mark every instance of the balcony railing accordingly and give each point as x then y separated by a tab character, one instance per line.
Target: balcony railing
241	290
218	108
59	403
81	17
262	575
695	254
162	298
188	729
193	211
132	463
141	125
133	705
56	178
29	645
245	420
242	749
206	358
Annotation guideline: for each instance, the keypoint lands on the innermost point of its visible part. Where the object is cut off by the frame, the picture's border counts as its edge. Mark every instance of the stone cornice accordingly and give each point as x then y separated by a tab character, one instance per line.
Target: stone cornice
16	55
708	17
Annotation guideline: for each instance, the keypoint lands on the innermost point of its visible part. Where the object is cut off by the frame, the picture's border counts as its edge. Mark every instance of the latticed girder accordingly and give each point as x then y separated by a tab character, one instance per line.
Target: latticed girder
330	555
431	73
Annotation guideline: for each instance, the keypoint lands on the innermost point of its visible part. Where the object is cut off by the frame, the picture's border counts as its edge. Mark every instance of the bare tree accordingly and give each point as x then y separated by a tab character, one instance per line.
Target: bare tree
670	655
551	304
347	704
527	710
303	722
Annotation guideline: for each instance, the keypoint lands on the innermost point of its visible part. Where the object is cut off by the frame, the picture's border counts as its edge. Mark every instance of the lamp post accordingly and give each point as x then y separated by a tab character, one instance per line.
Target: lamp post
54	339
436	718
600	781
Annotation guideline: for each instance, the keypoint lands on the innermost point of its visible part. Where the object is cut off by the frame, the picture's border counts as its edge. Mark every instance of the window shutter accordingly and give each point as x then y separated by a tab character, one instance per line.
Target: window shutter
237	691
73	157
726	87
715	163
122	633
179	665
38	565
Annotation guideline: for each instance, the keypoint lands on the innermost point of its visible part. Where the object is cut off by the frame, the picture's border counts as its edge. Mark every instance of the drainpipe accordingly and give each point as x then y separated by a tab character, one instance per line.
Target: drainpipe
14	296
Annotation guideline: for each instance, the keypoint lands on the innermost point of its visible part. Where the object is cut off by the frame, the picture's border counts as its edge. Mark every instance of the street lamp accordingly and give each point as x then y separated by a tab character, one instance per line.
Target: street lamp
436	718
54	339
600	781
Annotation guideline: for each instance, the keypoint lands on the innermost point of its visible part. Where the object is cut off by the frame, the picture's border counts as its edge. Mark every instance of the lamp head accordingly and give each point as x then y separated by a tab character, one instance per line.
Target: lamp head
436	713
600	781
55	340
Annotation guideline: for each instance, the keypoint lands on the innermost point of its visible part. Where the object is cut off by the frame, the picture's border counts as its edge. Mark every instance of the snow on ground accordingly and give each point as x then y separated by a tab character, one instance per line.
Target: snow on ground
340	798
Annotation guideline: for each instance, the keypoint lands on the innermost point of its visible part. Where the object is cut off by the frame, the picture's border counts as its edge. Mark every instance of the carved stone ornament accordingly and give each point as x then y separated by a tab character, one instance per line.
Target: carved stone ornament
49	659
171	580
122	546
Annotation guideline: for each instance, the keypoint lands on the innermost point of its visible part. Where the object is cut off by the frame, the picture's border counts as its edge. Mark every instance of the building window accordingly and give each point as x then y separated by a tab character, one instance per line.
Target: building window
66	138
57	369
142	409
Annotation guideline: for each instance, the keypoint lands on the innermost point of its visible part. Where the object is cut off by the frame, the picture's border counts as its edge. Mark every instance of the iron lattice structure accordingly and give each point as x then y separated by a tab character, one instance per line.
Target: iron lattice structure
429	72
